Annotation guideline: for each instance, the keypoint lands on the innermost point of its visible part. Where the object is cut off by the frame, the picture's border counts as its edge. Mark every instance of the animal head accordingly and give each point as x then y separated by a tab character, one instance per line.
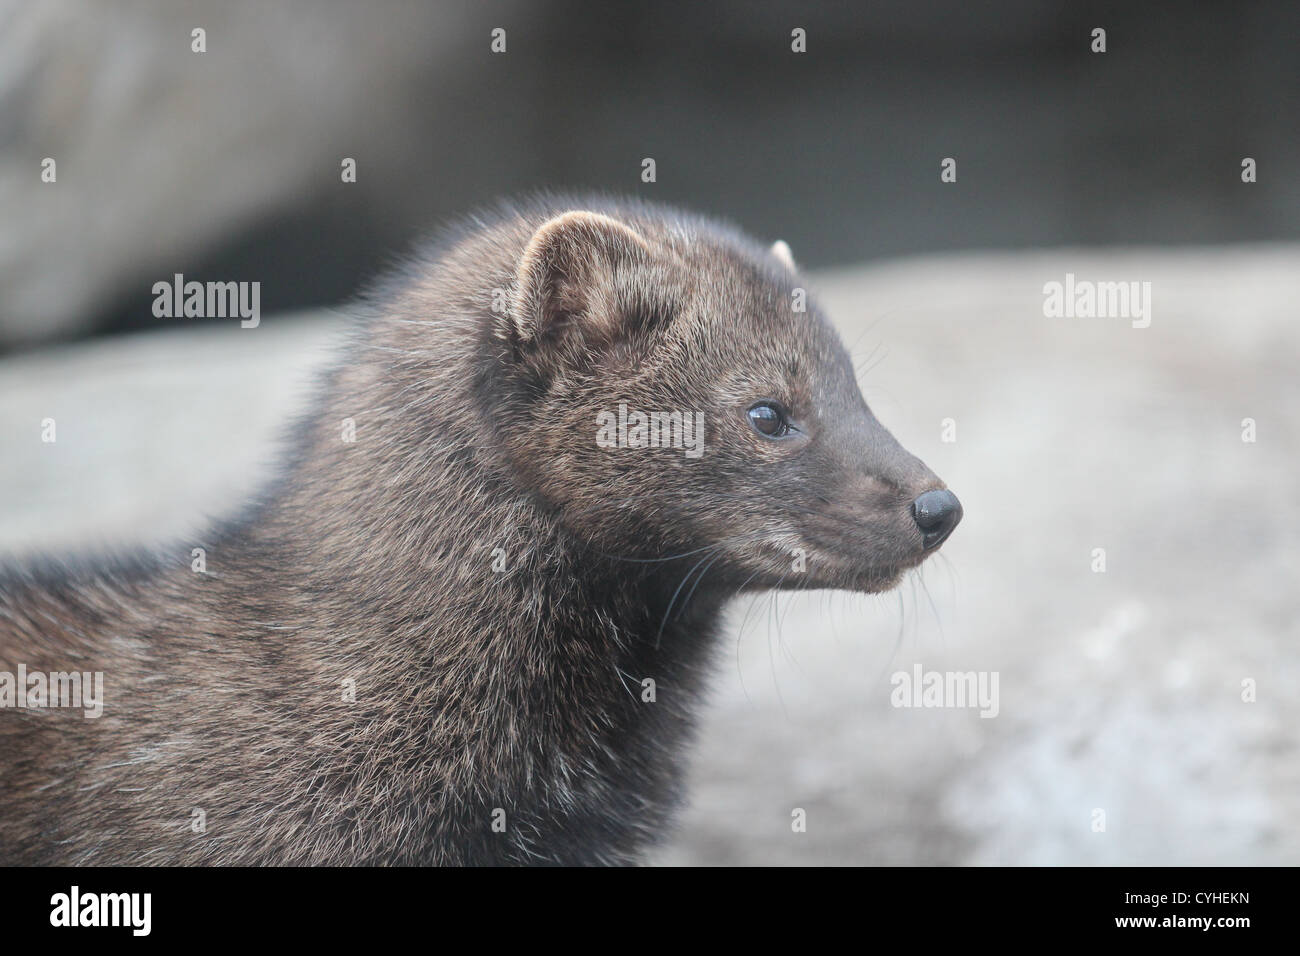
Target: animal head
679	392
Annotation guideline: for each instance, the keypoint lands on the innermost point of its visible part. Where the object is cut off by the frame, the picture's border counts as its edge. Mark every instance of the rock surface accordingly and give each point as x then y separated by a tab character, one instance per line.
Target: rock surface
1118	691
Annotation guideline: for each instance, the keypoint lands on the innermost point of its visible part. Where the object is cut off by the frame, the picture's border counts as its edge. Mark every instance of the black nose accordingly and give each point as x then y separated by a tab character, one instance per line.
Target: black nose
936	514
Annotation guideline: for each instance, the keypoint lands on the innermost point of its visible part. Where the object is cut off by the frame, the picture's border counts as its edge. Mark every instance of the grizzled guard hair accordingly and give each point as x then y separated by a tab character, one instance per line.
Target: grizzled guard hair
428	645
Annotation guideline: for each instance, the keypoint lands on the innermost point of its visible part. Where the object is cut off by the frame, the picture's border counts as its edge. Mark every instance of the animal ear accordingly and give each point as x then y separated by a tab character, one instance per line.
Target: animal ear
781	250
568	279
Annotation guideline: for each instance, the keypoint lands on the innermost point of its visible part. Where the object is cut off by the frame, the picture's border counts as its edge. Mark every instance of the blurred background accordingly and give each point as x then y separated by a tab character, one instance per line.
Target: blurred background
1121	690
228	162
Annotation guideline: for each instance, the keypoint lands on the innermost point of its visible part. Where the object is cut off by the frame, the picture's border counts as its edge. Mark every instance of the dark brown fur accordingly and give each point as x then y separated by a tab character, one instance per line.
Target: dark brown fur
372	562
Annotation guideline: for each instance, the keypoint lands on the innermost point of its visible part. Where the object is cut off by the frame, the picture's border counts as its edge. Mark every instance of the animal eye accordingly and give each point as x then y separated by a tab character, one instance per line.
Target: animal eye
769	419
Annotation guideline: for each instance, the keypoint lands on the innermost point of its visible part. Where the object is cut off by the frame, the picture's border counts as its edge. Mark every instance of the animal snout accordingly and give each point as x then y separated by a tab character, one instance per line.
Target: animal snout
936	514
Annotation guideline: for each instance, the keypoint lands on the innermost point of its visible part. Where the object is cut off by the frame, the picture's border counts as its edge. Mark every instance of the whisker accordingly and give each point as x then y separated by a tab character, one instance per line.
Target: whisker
938	620
664	622
739	669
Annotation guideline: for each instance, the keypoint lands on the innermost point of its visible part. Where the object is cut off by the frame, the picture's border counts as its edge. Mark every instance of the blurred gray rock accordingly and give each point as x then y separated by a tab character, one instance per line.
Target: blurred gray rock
226	163
163	153
1119	692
